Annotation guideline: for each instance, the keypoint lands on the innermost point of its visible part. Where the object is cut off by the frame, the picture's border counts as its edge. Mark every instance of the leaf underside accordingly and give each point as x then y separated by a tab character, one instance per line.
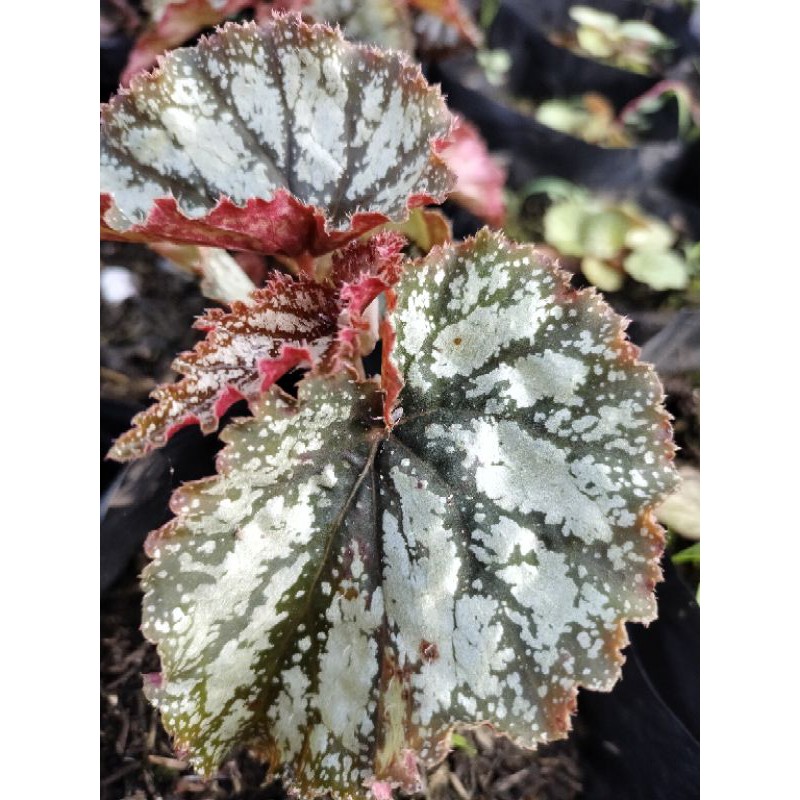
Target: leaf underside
343	593
280	139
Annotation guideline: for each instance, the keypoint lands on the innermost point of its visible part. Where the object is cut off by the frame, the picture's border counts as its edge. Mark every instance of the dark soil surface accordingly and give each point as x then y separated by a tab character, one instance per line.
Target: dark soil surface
141	335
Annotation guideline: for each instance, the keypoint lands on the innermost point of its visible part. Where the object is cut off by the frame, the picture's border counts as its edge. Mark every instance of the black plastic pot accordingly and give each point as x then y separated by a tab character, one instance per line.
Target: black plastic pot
541	69
115	419
642	741
137	499
644	173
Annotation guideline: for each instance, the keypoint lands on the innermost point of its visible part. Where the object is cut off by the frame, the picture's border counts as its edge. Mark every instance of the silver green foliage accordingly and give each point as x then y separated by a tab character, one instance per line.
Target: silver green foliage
254	110
342	594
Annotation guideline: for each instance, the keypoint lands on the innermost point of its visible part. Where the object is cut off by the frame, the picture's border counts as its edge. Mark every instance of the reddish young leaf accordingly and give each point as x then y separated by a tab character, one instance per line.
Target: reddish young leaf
283	139
286	324
354	269
479	178
174	22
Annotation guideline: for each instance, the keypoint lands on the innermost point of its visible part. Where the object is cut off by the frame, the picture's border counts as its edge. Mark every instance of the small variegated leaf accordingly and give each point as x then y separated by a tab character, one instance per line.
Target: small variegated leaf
479	178
344	592
383	23
287	323
281	139
172	23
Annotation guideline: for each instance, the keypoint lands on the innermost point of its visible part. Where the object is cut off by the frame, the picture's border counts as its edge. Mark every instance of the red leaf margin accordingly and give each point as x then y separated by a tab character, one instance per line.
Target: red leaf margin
561	705
283	224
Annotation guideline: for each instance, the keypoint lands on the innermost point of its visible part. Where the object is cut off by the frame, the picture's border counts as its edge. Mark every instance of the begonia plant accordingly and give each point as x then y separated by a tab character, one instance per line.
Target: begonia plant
379	559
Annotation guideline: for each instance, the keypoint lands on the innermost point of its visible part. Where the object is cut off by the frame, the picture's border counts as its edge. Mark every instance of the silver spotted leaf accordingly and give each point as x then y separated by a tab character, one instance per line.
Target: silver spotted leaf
345	591
280	139
526	401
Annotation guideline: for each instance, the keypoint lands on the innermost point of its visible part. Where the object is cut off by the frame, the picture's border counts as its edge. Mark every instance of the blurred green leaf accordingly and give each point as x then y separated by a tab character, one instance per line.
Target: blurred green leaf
643	32
652	235
460	742
562	115
692	254
659	269
605	233
630	44
595	42
603	275
488	12
586	15
495	64
555	188
563	226
681	511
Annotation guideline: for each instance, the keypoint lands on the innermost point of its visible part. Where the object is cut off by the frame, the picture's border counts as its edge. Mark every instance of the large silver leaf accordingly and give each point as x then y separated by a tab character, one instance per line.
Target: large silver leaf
259	599
280	139
524	399
344	592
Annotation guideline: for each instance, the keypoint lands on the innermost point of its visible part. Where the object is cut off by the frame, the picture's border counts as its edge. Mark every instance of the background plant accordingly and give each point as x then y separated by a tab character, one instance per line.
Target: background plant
612	239
634	45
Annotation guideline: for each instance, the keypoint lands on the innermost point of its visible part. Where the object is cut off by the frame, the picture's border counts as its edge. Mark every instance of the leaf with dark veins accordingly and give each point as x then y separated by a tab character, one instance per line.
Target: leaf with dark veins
286	324
343	593
173	22
526	400
282	139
